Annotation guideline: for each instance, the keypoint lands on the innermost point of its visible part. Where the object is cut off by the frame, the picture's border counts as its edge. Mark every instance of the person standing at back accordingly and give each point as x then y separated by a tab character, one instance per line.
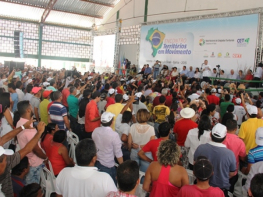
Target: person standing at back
19	91
92	115
224	105
43	111
58	113
73	105
65	93
14	96
206	69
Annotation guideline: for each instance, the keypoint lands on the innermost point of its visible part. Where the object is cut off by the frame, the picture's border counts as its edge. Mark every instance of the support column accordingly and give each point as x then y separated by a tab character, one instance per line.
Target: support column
145	11
40	34
117	34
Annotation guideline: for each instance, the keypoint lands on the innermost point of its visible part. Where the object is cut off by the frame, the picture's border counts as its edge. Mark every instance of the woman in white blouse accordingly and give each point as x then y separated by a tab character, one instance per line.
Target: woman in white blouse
197	75
140	134
6	117
197	136
174	74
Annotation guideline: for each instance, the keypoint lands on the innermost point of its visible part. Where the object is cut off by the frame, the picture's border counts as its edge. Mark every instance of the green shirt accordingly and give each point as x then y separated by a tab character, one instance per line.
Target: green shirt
43	111
73	105
223	107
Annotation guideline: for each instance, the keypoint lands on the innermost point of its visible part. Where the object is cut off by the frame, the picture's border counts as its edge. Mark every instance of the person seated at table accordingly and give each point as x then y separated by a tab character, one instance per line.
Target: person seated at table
57	153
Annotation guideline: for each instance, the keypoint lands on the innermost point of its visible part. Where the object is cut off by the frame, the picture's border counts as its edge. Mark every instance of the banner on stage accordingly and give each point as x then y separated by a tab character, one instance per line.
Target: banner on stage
229	42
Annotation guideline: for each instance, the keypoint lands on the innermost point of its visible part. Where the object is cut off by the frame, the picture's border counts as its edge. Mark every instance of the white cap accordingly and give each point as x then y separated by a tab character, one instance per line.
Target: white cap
29	80
238	100
213	90
49	79
259	136
138	94
4	80
90	77
111	91
187	112
15	76
133	80
106	117
219	131
122	79
125	97
46	84
251	109
5	151
154	81
219	91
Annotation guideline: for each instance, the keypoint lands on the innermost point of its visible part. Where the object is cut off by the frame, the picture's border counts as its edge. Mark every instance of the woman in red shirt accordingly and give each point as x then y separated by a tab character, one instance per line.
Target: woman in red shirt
48	134
58	153
165	175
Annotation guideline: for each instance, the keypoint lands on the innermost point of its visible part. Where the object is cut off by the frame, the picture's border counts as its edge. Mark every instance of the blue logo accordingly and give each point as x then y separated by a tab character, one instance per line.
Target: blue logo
156	39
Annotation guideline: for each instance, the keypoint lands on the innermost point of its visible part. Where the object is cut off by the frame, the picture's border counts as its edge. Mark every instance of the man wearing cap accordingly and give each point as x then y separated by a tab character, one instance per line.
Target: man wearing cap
109	145
248	128
255	154
203	171
110	99
222	159
181	129
92	115
43	111
14	96
35	101
9	159
239	111
194	95
212	98
58	113
140	105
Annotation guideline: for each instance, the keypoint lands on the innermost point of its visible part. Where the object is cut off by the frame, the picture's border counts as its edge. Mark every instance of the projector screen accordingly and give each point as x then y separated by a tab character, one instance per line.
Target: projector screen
103	51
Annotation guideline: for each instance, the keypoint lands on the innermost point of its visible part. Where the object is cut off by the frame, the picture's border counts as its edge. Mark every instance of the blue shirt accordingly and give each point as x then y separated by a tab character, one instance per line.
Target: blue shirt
184	72
191	74
255	155
57	111
14	97
51	88
18	185
148	70
222	159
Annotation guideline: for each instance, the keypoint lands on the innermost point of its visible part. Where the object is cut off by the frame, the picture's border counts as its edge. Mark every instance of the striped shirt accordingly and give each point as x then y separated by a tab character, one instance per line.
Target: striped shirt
56	112
255	155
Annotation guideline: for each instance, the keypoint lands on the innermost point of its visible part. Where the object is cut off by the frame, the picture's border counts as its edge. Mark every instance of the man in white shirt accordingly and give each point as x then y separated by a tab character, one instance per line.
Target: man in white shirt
258	75
239	111
206	69
19	92
194	95
232	75
84	179
214	73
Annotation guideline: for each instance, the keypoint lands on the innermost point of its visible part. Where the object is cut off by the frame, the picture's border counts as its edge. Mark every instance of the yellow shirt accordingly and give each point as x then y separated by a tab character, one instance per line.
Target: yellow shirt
160	112
43	111
115	109
247	132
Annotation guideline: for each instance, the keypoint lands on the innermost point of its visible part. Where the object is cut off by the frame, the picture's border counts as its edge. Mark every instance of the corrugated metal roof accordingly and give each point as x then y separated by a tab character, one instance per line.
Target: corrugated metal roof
65	12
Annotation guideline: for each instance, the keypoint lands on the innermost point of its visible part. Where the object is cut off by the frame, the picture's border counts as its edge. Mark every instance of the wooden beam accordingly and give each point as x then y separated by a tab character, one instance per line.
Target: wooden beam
39	6
99	3
47	10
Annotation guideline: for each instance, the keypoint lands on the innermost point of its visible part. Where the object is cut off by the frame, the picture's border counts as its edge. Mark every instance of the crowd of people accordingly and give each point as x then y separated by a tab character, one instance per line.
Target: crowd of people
159	124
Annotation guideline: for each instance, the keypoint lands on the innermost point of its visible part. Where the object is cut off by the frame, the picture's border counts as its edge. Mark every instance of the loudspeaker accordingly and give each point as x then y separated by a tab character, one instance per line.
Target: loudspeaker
18	44
18	66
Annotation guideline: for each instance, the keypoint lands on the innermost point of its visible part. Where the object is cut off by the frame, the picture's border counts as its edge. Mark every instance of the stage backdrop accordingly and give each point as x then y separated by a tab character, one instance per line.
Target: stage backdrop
229	42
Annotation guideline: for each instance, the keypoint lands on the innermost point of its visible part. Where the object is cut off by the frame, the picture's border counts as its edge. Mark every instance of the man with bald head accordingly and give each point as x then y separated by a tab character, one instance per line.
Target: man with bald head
232	75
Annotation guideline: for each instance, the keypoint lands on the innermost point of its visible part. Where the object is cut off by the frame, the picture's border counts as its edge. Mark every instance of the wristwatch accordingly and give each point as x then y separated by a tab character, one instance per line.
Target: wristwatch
22	126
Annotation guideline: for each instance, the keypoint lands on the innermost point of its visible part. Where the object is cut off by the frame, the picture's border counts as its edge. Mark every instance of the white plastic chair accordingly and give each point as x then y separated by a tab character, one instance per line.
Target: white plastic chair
191	176
238	191
50	168
73	140
139	191
48	181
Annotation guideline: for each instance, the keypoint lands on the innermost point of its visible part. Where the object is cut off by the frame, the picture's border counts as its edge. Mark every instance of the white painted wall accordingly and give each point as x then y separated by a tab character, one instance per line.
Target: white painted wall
132	11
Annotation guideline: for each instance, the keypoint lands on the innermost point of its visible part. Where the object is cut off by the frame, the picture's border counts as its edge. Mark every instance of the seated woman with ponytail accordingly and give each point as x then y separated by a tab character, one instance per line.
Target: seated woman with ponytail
47	136
57	153
197	136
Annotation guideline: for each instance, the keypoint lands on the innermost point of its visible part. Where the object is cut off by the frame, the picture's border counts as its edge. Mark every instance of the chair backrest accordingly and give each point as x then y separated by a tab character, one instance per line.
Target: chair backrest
191	176
47	180
139	191
50	168
73	143
74	137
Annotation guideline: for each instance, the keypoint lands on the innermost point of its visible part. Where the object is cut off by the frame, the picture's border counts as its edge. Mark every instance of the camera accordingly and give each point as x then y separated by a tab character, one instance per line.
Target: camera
218	66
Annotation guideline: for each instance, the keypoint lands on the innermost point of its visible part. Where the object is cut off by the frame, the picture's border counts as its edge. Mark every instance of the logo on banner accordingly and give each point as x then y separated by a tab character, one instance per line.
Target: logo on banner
227	55
219	55
237	55
201	42
155	37
242	42
213	54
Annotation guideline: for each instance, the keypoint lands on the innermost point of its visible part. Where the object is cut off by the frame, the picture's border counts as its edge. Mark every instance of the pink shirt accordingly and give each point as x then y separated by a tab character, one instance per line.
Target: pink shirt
234	143
23	138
